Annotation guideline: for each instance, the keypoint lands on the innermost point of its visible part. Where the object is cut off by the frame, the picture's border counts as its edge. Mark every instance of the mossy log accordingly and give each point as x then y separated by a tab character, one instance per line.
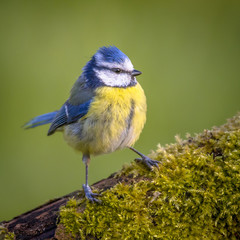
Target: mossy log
194	194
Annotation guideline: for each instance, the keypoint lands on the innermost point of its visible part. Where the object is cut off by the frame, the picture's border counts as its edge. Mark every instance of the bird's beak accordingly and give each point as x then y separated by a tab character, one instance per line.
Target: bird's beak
136	73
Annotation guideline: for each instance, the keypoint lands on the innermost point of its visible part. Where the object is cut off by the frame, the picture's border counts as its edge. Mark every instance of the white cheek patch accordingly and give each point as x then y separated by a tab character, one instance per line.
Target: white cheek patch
112	79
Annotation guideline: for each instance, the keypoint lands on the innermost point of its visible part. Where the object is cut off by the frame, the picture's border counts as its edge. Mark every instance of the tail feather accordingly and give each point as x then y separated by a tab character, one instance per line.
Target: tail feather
41	120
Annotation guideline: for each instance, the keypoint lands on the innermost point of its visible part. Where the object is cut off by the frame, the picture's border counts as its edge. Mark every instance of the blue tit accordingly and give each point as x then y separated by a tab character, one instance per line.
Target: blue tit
106	110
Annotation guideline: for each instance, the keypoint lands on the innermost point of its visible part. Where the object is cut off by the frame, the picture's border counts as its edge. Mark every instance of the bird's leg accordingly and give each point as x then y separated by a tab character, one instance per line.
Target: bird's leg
148	162
87	190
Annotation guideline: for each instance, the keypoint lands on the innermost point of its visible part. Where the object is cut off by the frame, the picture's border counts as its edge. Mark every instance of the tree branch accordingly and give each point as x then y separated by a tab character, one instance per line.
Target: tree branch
194	194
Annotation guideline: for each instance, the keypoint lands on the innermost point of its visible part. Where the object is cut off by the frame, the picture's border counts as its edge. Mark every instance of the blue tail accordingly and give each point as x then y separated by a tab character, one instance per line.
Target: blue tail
41	120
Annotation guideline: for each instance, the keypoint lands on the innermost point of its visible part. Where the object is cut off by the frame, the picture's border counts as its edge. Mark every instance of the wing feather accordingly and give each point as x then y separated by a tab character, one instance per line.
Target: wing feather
68	114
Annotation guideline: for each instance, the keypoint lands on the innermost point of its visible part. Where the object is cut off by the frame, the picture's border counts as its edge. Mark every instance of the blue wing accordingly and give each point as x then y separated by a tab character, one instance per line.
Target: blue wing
68	114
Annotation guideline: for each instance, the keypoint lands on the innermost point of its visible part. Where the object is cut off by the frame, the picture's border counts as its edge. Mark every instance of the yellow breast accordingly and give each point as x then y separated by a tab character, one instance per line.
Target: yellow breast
114	120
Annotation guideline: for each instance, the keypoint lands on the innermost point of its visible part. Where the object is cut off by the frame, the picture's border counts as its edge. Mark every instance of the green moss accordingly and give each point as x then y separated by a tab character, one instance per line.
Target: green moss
5	235
194	194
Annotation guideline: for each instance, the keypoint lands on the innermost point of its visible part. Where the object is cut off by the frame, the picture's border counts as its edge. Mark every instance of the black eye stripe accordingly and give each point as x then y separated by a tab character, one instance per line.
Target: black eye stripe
113	69
121	71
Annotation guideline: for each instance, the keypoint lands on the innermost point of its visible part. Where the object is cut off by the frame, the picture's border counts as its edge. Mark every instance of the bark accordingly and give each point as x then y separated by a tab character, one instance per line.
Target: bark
41	222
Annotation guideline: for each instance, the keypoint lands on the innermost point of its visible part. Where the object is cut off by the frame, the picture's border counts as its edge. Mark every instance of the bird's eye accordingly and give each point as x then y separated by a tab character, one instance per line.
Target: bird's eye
117	70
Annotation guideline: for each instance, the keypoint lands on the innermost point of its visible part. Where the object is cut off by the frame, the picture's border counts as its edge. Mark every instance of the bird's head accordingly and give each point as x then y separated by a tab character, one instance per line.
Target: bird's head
110	67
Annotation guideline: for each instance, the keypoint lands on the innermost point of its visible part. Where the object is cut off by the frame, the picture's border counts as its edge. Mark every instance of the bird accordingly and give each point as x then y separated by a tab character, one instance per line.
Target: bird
105	112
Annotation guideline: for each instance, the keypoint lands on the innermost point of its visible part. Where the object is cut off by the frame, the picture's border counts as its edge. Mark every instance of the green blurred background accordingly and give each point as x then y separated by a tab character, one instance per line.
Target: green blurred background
188	51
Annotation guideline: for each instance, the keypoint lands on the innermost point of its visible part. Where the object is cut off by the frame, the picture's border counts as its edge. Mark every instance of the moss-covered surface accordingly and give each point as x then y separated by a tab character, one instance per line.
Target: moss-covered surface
5	234
194	194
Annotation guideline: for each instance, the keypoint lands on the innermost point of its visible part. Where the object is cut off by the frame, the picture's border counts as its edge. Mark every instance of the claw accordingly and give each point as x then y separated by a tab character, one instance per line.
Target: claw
90	195
148	162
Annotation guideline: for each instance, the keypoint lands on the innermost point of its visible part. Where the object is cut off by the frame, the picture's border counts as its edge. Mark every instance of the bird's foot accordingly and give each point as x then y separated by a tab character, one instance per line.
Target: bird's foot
148	162
89	194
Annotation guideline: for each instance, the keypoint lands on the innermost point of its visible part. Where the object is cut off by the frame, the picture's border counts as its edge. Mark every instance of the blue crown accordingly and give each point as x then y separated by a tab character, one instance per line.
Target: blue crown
112	54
